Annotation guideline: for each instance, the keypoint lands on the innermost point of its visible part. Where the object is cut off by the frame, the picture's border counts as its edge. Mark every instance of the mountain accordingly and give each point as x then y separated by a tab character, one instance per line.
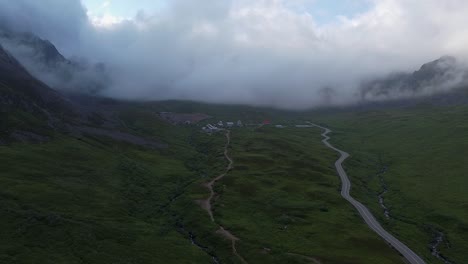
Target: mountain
20	89
44	51
27	103
31	111
45	62
442	75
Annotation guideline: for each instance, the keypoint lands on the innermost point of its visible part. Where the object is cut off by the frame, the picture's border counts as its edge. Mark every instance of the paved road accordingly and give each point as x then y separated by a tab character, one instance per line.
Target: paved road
370	220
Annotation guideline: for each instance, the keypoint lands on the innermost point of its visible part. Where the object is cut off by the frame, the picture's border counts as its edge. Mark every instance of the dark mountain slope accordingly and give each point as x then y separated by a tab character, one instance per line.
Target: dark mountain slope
44	61
28	107
20	88
439	76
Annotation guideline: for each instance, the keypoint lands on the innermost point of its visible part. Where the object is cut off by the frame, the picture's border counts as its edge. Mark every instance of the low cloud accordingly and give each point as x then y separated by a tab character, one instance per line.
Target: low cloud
265	52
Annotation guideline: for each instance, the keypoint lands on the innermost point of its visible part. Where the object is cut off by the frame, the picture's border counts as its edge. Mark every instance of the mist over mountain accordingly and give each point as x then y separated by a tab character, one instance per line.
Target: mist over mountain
439	76
269	52
20	91
44	61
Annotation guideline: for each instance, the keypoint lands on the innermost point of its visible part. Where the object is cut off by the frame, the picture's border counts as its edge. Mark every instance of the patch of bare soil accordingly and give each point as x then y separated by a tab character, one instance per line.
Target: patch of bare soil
226	234
180	119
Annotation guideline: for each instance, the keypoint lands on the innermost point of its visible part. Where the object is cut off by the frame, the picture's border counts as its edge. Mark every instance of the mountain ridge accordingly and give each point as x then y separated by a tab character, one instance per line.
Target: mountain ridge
442	75
42	58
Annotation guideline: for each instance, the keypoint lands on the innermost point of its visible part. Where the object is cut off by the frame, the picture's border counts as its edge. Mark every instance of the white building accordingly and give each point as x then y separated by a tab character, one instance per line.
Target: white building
229	124
210	129
239	123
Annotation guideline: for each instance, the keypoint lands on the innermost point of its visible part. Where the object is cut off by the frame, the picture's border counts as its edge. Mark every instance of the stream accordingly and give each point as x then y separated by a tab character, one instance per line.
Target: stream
181	228
435	245
385	191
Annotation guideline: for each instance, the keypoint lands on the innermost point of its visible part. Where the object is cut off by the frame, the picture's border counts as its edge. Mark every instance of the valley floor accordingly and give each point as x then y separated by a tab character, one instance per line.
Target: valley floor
92	199
409	166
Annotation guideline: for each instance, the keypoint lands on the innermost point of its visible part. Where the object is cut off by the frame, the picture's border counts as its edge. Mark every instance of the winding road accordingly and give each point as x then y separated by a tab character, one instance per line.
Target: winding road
370	220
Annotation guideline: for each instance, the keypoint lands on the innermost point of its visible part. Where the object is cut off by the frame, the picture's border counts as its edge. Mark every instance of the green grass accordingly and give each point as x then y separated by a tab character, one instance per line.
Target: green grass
283	194
71	201
96	200
425	149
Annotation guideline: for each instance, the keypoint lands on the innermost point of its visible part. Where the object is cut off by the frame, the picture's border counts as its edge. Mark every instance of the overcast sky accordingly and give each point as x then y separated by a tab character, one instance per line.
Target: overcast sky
268	52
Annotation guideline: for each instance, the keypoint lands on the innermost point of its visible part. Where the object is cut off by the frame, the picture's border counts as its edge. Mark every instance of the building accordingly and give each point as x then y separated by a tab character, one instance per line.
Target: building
220	124
229	124
210	129
239	124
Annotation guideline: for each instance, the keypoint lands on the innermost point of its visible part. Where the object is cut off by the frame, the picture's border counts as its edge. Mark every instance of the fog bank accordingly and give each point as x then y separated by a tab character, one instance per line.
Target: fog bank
266	52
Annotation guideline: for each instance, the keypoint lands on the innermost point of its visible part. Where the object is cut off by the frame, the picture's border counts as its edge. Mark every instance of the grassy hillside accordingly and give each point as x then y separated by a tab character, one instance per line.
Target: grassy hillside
282	201
424	150
91	199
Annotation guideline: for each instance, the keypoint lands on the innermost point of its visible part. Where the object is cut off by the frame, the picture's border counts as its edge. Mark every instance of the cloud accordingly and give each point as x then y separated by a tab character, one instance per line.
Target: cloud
265	52
105	4
58	21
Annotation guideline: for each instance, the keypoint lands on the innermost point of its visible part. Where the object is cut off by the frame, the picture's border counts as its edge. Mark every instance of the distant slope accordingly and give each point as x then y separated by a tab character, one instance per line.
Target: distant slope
17	83
44	61
418	155
26	102
439	76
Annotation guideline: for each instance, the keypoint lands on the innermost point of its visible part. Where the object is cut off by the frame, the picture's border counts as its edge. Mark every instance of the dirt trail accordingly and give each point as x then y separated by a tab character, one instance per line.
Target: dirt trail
206	203
223	232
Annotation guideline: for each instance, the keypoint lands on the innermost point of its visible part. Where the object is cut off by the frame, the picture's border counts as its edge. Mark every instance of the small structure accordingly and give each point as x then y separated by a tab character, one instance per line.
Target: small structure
210	129
266	122
229	124
239	123
280	126
220	124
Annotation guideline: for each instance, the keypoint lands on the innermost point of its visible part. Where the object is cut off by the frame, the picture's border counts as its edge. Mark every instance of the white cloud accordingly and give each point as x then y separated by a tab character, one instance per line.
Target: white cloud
105	4
266	51
105	21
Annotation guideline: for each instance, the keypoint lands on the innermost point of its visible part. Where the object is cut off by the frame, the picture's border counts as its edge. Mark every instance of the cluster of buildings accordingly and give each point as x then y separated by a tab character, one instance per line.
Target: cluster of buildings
210	128
220	126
